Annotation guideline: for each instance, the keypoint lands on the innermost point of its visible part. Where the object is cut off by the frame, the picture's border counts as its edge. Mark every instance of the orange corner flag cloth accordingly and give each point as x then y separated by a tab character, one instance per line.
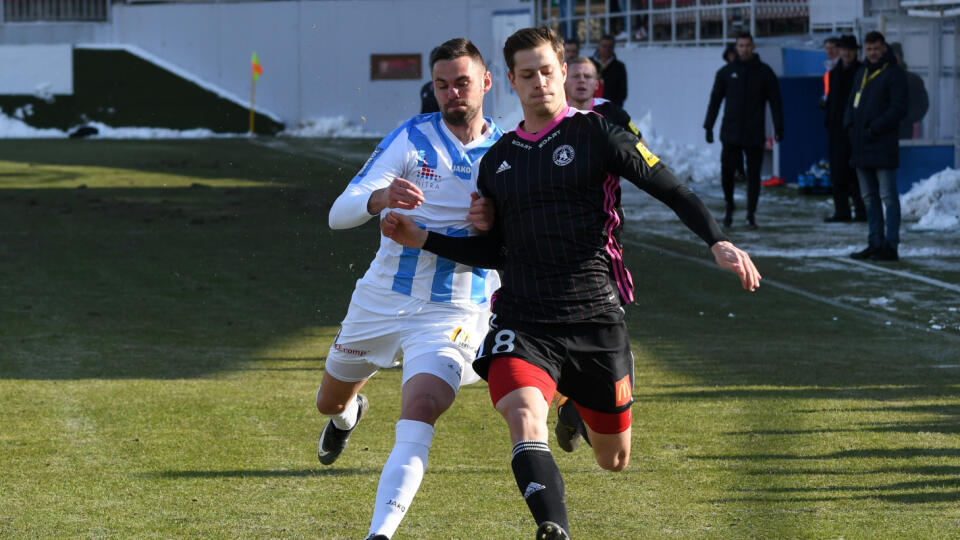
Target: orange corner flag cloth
255	66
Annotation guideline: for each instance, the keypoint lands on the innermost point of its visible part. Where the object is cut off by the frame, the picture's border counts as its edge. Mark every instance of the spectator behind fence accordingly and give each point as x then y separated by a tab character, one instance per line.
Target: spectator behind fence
830	46
612	71
746	85
844	176
428	101
874	111
917	100
730	53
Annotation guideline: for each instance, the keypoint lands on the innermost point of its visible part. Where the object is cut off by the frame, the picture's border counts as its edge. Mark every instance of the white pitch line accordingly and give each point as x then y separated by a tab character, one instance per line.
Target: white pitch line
901	273
790	288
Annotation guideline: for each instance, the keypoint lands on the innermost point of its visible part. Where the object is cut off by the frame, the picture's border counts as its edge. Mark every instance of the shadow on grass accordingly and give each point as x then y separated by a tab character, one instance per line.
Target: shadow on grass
263	473
901	498
164	283
869	453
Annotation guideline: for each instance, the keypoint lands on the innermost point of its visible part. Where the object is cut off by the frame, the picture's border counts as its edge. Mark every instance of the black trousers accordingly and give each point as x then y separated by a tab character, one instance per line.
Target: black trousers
844	177
731	158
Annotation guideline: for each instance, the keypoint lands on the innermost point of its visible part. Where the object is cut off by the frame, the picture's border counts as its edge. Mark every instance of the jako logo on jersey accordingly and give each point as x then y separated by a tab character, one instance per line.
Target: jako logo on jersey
503	167
463	171
563	155
521	145
370	160
624	392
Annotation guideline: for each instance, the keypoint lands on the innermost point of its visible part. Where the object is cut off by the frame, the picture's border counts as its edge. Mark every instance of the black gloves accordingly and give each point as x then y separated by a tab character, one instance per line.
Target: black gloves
709	136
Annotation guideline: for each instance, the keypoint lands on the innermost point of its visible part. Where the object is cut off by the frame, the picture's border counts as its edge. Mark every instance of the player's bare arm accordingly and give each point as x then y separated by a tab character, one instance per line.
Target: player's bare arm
736	260
399	194
481	212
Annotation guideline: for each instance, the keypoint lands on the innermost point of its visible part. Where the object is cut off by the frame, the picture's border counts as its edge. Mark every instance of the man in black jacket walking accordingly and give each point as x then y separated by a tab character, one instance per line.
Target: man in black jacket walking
746	84
845	183
612	71
874	110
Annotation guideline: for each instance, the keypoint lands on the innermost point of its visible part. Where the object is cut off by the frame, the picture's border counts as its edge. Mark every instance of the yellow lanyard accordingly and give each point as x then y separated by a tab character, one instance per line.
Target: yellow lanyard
863	84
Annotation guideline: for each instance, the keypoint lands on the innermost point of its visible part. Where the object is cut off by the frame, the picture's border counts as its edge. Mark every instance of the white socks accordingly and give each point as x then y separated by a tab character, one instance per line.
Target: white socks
401	476
348	418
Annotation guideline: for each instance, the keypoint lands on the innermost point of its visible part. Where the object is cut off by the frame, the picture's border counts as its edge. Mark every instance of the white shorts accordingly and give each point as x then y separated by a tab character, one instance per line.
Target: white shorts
439	339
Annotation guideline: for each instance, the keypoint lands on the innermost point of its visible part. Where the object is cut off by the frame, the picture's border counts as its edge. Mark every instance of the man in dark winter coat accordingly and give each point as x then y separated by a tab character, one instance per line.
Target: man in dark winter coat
874	110
612	71
844	176
746	85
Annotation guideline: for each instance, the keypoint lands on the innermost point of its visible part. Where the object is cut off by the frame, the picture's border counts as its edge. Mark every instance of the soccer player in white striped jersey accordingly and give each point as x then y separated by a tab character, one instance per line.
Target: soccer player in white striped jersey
429	308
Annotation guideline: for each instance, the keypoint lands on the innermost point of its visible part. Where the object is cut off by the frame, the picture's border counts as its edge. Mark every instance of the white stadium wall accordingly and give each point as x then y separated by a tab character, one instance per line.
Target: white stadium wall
316	55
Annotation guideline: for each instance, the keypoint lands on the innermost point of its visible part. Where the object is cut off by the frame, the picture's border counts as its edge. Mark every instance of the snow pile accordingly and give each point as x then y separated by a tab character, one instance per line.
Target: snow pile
934	202
107	132
687	161
337	126
15	128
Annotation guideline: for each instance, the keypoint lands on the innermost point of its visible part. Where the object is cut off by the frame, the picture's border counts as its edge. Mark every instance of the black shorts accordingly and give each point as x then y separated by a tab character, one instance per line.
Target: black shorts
591	362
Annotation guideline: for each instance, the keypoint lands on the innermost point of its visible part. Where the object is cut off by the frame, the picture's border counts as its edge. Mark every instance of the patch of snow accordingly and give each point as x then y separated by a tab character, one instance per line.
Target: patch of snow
934	202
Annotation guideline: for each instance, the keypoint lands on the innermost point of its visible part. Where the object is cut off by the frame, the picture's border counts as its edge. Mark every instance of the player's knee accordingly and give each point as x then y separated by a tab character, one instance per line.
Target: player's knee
425	407
329	406
522	417
614	462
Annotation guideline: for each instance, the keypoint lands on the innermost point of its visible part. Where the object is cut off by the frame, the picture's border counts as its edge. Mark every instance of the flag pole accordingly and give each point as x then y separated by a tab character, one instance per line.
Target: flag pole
253	90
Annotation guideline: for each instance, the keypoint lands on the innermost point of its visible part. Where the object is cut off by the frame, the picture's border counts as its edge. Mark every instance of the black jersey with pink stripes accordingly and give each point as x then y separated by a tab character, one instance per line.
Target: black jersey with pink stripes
555	237
557	200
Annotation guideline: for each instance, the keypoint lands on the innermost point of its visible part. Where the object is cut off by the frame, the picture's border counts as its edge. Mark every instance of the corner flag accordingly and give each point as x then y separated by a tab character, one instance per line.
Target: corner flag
255	67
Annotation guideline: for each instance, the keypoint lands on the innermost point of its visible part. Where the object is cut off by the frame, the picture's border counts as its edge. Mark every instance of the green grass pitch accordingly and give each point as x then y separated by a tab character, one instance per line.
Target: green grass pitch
165	310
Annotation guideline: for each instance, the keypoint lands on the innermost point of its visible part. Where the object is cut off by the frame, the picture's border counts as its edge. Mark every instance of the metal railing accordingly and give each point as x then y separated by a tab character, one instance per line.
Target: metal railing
659	22
15	11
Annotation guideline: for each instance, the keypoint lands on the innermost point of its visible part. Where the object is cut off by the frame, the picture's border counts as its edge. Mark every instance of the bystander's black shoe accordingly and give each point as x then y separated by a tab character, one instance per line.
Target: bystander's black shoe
835	218
886	253
751	223
860	217
864	254
728	219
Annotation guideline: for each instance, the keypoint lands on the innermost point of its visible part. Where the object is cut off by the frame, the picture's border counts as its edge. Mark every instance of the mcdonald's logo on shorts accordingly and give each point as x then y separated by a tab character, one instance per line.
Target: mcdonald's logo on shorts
624	391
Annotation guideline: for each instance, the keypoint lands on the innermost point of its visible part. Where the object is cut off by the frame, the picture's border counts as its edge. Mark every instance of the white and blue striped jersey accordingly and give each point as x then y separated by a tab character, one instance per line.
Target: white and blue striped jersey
425	152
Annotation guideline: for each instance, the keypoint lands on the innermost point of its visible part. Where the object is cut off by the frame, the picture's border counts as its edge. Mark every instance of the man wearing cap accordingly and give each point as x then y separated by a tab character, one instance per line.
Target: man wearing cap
845	185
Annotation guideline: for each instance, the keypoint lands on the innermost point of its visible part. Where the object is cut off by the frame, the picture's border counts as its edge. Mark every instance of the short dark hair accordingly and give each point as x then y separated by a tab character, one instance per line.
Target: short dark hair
874	37
608	37
745	35
456	48
531	38
832	41
572	41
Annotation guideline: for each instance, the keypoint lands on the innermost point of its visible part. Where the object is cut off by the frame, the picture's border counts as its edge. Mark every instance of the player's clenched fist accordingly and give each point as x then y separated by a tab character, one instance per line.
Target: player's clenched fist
402	230
399	194
481	212
736	260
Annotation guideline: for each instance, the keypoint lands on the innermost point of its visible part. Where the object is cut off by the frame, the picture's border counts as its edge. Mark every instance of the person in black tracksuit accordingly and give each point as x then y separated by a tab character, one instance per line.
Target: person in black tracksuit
845	184
746	85
874	111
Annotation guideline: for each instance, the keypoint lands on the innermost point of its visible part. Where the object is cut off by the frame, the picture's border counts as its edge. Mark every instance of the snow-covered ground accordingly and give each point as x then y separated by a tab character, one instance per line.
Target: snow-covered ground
932	204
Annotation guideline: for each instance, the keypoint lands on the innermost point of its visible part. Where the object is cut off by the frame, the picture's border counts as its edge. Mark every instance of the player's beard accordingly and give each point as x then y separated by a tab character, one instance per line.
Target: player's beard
460	117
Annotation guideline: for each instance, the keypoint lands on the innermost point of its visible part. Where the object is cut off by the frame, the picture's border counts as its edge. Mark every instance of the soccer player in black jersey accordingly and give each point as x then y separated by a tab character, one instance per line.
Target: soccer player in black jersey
558	322
581	85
